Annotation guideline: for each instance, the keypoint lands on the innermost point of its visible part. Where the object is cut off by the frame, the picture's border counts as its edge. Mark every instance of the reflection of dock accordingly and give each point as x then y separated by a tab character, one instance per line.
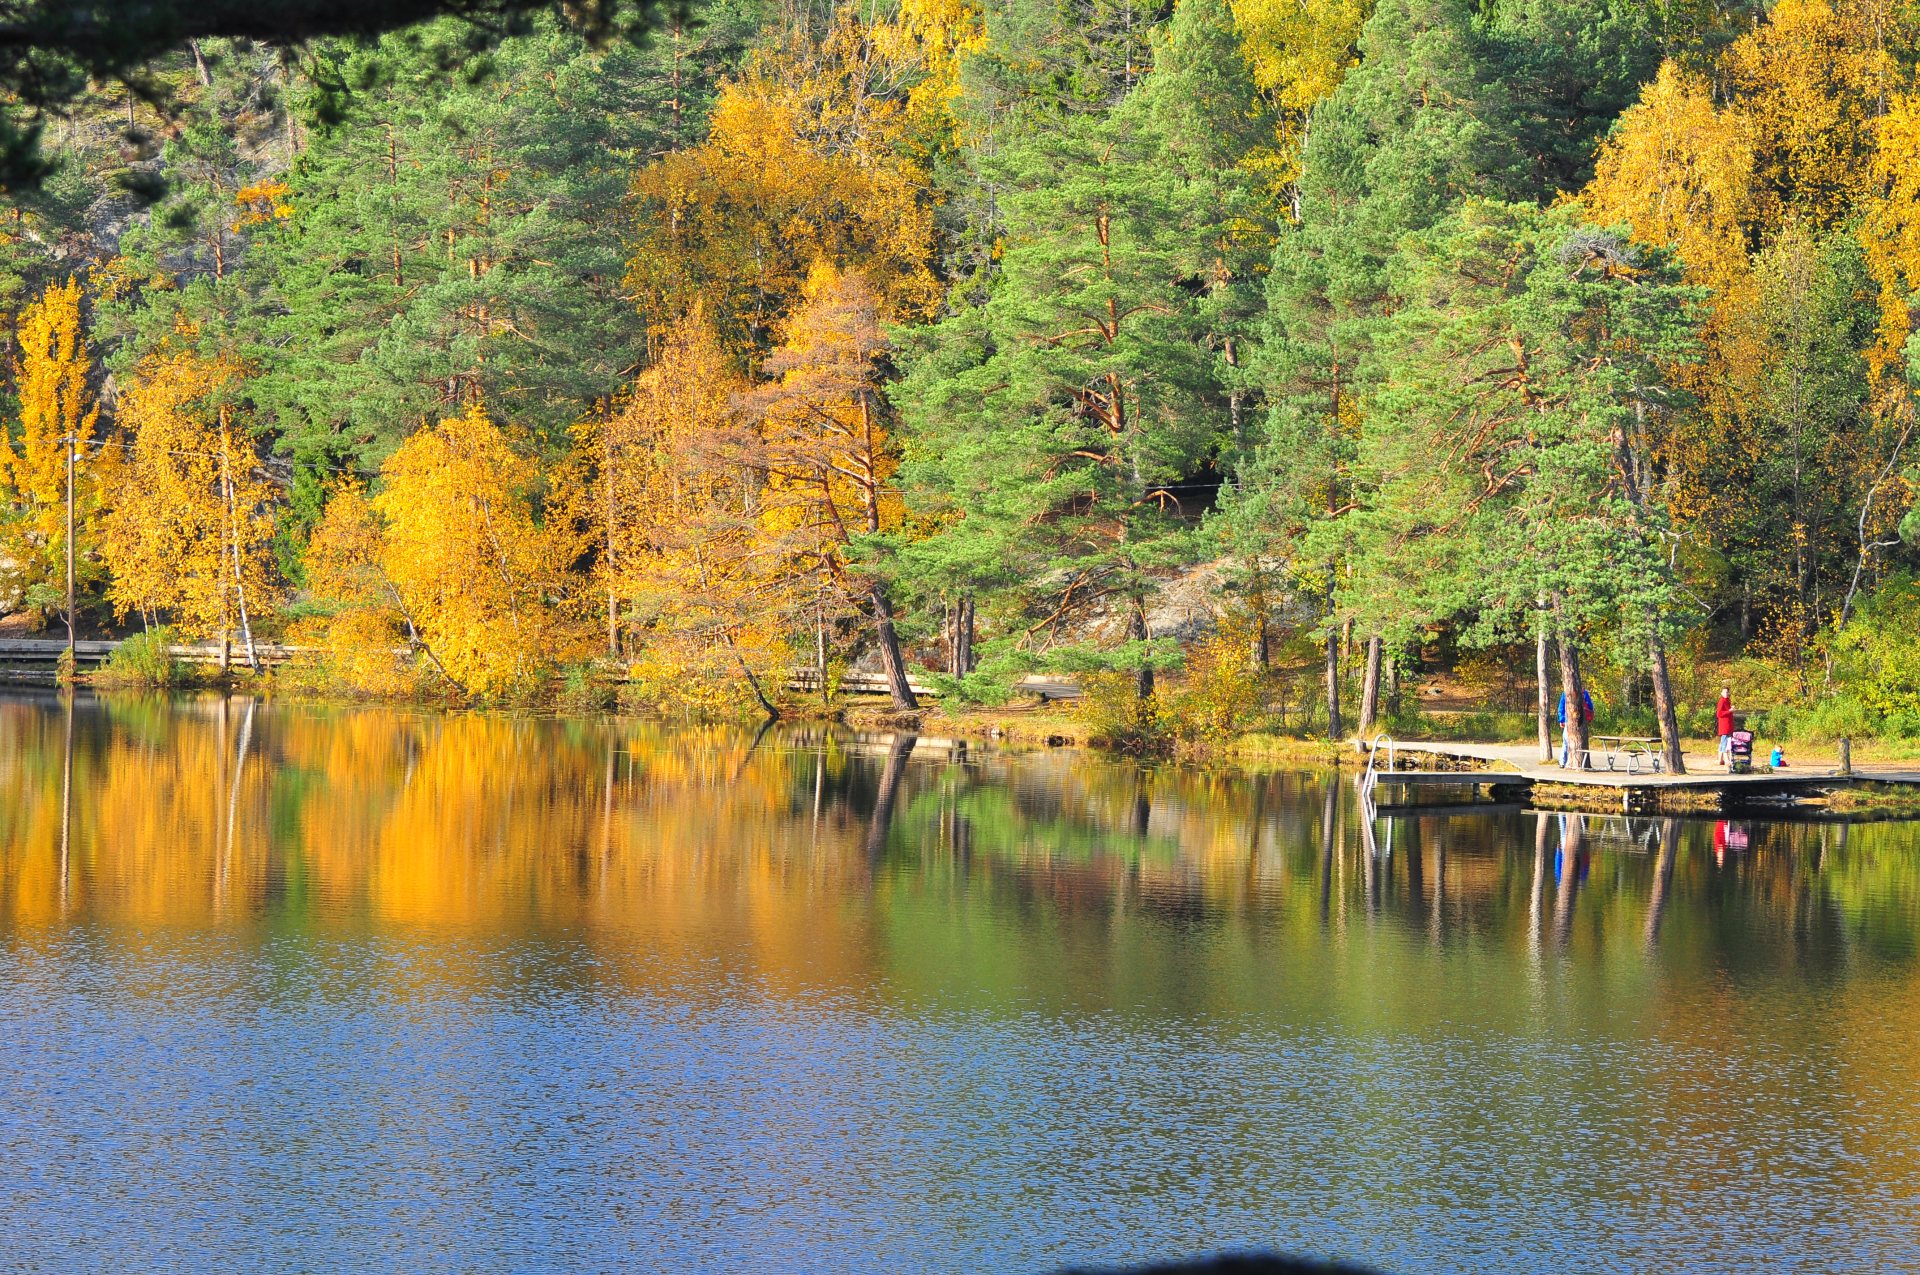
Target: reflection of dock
1509	774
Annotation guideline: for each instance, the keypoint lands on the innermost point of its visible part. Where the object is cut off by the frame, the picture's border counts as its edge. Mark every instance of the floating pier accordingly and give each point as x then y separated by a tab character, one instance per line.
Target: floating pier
1401	775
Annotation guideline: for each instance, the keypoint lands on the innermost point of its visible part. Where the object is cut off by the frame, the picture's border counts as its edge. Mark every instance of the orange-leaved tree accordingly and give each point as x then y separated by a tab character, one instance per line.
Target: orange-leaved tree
189	535
826	455
57	411
669	512
1783	178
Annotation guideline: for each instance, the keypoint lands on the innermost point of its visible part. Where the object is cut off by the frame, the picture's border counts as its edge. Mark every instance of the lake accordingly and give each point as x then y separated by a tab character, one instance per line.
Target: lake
298	988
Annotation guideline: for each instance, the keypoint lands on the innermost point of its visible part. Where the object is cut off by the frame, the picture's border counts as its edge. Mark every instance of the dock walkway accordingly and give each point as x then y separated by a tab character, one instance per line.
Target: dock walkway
1506	767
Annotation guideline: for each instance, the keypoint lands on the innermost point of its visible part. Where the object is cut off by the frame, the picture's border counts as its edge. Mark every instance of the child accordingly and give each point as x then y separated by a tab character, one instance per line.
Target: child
1778	759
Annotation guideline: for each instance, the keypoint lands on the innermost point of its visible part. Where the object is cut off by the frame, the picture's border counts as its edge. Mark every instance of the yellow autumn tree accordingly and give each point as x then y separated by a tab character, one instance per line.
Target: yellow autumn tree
56	411
481	577
1298	51
1890	224
1762	174
188	537
1680	171
369	639
926	43
810	157
1811	79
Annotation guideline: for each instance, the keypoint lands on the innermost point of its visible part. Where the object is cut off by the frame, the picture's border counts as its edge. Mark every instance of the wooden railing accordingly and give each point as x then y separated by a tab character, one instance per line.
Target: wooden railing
1048	688
100	650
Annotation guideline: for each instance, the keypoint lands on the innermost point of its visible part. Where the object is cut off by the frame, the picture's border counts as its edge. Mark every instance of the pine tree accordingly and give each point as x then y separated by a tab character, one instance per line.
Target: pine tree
1534	355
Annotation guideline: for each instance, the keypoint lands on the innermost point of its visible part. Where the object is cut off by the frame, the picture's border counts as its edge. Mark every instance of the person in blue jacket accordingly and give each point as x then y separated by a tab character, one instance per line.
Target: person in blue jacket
1586	715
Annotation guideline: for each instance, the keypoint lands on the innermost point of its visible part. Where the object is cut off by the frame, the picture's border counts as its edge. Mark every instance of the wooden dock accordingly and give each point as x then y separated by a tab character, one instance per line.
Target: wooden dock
1509	772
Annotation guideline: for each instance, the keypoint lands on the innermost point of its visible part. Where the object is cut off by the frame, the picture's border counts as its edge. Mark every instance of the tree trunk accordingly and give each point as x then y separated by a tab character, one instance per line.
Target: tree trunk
966	634
1543	693
1370	687
753	683
890	657
820	653
1663	705
72	442
1575	731
1333	684
613	625
233	532
1137	629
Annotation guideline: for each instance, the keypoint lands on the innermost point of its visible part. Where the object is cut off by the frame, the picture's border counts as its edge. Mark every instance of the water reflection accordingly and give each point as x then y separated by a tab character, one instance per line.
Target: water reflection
878	1001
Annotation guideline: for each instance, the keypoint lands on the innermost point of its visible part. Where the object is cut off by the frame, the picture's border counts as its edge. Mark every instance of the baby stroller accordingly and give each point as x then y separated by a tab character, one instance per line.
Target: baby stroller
1740	752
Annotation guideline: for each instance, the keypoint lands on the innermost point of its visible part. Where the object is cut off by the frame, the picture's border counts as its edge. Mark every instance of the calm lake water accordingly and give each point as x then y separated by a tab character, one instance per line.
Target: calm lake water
292	988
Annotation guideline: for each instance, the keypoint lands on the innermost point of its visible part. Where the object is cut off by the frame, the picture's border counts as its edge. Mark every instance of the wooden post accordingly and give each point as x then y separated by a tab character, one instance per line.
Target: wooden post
1846	755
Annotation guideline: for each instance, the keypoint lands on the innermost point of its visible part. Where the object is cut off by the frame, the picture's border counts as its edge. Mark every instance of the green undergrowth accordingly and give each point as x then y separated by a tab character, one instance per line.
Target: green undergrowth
144	662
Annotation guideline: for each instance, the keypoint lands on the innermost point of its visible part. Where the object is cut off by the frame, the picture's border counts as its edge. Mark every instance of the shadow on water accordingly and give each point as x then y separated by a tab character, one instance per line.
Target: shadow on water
875	1001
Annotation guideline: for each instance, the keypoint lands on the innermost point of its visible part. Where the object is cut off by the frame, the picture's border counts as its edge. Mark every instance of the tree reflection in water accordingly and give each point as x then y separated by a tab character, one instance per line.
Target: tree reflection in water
1455	1000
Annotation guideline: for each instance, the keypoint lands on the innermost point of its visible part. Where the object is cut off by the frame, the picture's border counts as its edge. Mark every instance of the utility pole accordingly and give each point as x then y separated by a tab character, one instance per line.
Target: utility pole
72	440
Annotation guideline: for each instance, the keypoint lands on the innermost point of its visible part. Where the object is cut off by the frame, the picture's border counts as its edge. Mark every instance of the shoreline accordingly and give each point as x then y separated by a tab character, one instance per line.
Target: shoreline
1051	724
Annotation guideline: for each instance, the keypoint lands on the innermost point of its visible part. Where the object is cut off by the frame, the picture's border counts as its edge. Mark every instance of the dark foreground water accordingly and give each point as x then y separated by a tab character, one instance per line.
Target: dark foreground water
292	989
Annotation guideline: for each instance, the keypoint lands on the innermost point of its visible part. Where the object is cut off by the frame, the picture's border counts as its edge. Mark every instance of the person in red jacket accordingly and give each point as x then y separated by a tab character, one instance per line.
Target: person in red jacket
1723	723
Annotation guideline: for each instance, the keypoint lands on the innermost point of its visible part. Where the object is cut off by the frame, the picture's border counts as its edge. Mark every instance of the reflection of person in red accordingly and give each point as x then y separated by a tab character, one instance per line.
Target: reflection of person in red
1728	836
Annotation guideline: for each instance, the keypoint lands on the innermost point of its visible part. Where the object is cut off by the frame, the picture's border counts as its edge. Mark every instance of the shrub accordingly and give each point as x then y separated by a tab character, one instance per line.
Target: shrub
588	687
1223	695
1878	660
356	651
1117	717
145	659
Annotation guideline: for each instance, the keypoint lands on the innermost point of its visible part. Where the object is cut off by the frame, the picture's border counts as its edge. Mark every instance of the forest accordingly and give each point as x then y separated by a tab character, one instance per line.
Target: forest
1247	360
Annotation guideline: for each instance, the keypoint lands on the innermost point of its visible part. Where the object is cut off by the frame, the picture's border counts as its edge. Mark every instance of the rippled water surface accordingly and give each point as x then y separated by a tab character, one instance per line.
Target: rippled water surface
297	989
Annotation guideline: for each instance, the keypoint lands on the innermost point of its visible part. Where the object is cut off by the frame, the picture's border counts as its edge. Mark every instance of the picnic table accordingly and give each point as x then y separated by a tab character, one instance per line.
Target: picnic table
1635	754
